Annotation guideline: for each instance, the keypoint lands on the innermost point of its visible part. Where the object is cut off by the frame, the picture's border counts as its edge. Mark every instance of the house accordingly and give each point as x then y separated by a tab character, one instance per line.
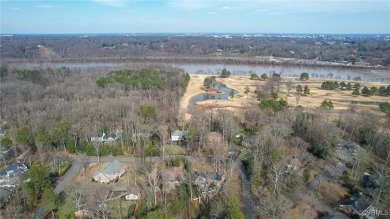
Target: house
133	194
107	138
351	146
110	173
83	214
177	135
357	204
374	181
214	137
12	173
206	180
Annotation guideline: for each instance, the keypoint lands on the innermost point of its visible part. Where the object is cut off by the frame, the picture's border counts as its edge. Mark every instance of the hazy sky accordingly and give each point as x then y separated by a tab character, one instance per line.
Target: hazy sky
193	16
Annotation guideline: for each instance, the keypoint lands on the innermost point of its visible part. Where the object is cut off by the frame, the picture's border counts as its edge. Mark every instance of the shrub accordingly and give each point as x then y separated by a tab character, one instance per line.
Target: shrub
176	162
90	150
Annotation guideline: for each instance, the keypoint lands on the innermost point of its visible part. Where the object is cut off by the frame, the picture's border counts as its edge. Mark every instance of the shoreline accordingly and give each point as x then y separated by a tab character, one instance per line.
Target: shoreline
233	60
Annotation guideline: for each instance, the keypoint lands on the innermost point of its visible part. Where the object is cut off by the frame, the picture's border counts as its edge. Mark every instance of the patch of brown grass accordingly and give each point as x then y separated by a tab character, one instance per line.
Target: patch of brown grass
332	193
301	209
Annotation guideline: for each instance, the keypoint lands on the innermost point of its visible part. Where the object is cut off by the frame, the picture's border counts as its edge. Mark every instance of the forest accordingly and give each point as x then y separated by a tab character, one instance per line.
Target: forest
350	49
51	111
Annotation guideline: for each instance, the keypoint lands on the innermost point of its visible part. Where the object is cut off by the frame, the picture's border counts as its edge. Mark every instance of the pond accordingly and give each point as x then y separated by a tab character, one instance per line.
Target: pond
224	95
369	103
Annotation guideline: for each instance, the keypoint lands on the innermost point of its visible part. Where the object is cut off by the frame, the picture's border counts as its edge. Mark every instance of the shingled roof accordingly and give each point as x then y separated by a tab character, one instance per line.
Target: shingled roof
357	201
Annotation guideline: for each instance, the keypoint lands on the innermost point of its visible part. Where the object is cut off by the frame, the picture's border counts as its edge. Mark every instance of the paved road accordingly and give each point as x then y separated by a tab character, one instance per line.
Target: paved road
307	193
246	192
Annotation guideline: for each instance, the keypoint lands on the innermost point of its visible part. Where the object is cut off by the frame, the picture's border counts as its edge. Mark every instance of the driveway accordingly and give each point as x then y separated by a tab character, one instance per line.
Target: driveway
307	193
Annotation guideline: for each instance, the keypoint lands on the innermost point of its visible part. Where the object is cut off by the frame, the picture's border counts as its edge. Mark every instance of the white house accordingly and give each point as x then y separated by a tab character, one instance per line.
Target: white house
133	194
177	135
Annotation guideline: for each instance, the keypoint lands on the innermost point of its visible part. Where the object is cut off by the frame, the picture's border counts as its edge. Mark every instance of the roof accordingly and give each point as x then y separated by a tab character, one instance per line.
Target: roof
14	170
112	168
177	133
374	181
357	201
349	144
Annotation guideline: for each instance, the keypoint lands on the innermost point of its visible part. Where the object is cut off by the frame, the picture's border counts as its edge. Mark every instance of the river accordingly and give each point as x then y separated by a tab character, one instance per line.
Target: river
284	70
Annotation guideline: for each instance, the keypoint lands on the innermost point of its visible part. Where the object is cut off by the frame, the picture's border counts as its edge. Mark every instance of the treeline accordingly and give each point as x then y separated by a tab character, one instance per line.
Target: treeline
372	50
144	79
357	88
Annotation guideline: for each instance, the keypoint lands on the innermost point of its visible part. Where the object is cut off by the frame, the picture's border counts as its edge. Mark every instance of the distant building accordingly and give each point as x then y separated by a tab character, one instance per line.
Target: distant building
214	137
107	138
110	173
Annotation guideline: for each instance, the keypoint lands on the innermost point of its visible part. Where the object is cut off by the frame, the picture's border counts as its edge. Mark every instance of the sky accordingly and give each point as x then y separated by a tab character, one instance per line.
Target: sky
195	16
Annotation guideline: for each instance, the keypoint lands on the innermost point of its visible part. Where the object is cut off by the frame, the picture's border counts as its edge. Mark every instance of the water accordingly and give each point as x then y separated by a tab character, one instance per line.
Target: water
291	71
369	103
246	70
219	96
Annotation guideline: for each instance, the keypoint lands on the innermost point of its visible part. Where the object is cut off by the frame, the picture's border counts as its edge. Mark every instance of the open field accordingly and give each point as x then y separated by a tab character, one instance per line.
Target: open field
340	98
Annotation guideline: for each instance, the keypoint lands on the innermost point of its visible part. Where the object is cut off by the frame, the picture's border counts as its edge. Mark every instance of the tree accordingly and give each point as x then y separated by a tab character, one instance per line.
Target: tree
304	76
374	90
231	94
23	136
327	104
208	81
384	107
234	209
247	90
299	88
306	90
148	112
290	85
366	91
343	85
349	86
356	92
38	183
264	76
357	86
225	73
254	77
5	143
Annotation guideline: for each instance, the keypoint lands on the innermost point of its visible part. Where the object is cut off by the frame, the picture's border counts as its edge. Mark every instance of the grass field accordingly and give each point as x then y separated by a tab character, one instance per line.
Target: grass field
340	98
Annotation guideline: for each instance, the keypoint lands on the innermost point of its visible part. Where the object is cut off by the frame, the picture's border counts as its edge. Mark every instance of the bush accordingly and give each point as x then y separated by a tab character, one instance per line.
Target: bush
141	210
151	150
70	146
176	162
176	206
90	150
173	150
105	150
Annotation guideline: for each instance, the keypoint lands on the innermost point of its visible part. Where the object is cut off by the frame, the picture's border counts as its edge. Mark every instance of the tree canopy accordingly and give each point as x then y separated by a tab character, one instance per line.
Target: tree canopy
304	76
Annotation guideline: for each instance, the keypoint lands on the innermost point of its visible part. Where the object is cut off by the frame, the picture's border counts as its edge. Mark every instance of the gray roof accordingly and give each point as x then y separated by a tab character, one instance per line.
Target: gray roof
357	201
177	133
112	168
14	170
349	144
